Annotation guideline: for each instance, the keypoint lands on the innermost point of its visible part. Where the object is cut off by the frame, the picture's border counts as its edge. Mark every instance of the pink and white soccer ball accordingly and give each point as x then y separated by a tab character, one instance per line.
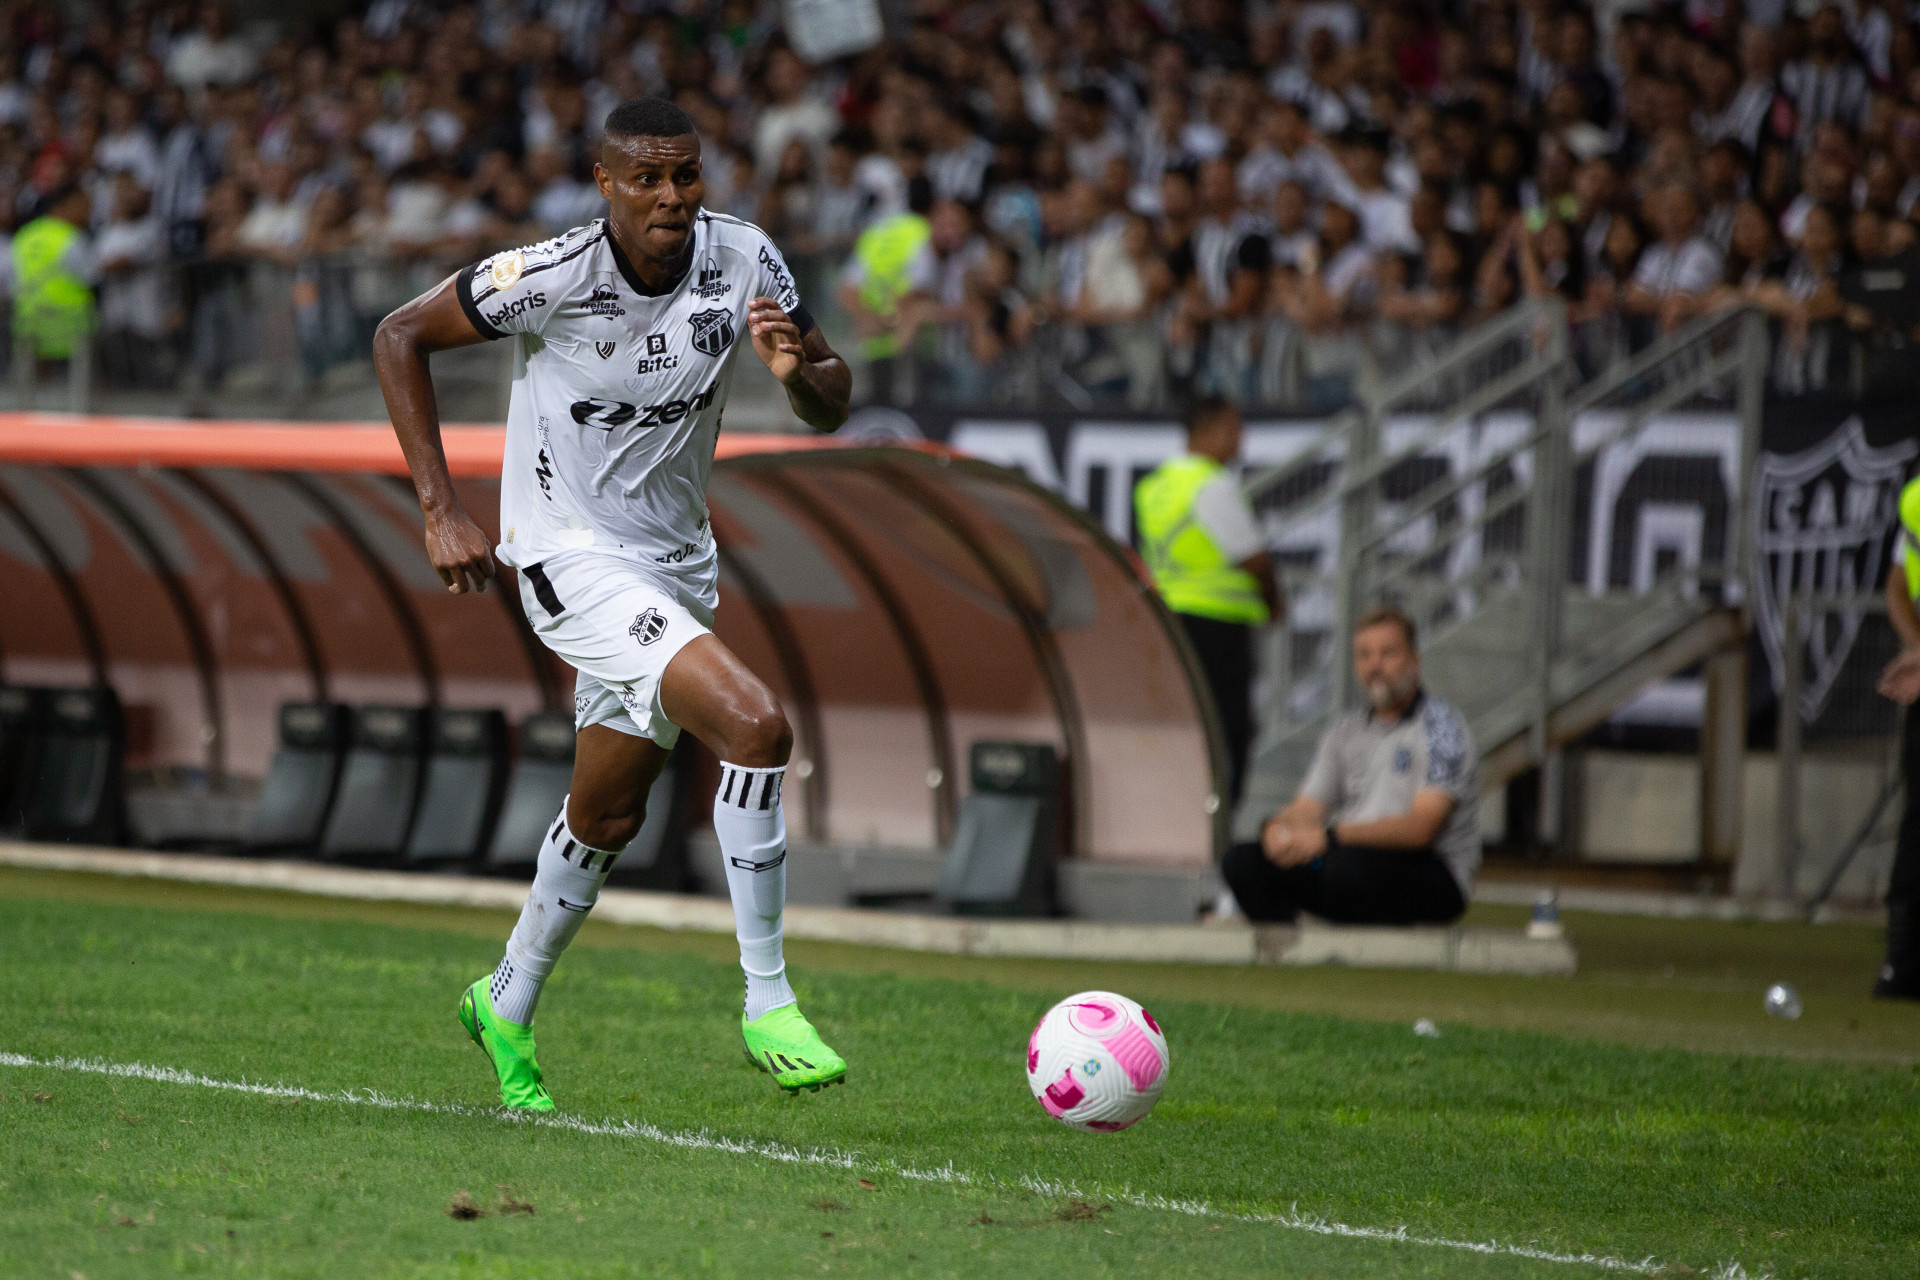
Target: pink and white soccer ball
1097	1061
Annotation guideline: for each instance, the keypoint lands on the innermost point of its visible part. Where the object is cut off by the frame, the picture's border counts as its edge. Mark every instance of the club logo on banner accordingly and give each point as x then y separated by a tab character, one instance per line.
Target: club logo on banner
1820	528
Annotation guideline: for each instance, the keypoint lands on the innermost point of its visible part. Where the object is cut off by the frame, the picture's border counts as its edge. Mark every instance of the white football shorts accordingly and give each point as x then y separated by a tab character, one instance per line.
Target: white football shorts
618	626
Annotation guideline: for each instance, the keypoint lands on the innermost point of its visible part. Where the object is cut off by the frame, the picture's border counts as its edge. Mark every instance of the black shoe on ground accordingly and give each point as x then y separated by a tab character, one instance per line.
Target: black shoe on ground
1900	975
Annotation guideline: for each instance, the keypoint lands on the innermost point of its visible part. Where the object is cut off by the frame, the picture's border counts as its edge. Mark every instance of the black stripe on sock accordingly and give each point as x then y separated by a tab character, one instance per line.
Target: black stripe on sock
543	590
567	852
766	792
726	785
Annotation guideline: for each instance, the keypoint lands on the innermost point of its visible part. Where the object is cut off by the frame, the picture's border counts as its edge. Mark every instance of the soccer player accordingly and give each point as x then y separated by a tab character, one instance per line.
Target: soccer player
625	334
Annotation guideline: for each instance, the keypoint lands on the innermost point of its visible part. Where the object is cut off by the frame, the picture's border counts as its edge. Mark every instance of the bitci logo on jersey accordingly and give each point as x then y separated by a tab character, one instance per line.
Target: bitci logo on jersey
656	360
712	331
648	627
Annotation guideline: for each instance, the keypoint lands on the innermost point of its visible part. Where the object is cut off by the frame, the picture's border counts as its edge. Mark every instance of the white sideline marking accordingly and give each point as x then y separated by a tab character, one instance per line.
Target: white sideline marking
1293	1220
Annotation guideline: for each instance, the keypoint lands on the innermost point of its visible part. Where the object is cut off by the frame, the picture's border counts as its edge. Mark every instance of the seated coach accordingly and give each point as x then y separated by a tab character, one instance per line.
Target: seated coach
1386	827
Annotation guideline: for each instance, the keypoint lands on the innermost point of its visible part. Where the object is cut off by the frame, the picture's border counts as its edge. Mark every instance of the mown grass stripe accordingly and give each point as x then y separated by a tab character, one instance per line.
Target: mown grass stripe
1293	1220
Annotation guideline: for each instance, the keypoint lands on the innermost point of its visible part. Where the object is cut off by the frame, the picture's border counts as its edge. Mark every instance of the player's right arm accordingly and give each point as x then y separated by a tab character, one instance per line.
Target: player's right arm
434	321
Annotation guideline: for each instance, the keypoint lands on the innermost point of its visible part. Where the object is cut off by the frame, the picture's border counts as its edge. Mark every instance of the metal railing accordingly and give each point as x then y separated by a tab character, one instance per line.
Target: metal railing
1450	490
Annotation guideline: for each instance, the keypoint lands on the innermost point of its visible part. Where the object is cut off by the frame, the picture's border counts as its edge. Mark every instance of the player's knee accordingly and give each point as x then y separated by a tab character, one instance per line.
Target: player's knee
760	737
606	828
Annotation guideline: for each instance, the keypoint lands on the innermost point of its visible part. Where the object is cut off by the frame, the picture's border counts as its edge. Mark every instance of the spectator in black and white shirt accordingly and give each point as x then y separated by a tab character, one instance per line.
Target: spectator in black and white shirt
1829	86
1675	274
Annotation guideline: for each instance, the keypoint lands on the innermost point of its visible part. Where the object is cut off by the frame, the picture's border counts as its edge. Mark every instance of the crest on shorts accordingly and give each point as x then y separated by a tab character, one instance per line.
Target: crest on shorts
712	331
1820	529
506	269
648	627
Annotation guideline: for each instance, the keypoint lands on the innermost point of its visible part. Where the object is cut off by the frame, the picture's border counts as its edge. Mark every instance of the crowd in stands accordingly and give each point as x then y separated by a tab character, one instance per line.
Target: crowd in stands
1118	202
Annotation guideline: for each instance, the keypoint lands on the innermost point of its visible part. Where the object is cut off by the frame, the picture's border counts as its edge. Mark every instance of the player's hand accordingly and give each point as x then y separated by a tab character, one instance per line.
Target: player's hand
776	339
1901	680
459	551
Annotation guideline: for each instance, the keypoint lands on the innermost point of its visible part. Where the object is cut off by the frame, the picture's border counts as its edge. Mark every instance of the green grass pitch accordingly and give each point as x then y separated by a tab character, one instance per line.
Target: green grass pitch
1645	1113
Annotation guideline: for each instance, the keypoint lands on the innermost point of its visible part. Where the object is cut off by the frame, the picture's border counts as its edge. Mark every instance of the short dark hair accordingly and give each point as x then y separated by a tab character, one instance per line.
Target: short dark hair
647	118
1389	615
1203	411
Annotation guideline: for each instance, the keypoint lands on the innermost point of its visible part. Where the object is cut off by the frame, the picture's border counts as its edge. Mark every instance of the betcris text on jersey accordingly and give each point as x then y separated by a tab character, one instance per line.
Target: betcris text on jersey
531	302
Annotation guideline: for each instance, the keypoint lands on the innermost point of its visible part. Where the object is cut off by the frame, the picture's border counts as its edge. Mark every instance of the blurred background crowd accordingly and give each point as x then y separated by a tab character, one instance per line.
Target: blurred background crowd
1006	201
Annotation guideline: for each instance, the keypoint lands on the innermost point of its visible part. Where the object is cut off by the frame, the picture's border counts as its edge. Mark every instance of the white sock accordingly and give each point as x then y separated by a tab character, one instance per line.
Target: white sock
753	841
566	884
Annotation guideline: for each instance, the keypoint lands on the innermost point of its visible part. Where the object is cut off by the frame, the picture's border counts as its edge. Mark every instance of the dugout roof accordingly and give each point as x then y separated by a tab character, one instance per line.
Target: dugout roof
903	602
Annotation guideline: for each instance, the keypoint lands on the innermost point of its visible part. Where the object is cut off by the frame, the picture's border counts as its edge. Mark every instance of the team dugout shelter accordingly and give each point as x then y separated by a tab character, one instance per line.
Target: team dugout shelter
909	606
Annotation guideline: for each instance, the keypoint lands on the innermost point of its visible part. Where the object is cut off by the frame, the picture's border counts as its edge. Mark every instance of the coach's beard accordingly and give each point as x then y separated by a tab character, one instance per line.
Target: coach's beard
1385	694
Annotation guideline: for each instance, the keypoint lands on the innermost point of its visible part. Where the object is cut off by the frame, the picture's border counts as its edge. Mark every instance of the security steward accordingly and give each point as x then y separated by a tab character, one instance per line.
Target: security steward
892	260
1900	976
51	264
1211	565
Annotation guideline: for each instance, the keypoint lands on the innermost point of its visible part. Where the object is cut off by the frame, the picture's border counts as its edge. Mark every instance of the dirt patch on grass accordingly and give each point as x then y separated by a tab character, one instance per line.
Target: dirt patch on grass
463	1208
1080	1211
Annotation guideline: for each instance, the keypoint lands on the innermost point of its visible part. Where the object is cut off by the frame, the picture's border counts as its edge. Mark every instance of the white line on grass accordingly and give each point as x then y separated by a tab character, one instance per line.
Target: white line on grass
1292	1220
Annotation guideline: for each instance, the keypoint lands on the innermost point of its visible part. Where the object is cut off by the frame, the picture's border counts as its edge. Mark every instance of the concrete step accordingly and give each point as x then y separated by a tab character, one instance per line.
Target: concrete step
1458	949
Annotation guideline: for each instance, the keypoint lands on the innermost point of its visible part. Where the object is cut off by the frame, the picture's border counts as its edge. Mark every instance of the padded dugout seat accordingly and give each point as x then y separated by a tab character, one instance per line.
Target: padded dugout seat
465	782
23	718
379	784
1008	836
70	782
298	791
535	791
655	858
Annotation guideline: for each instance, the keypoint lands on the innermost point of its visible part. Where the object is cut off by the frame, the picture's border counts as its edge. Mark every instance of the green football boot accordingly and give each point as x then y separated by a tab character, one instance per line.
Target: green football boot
509	1046
784	1044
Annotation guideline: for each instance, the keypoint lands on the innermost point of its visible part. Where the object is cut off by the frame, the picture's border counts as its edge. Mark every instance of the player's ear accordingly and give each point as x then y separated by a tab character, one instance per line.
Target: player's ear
603	180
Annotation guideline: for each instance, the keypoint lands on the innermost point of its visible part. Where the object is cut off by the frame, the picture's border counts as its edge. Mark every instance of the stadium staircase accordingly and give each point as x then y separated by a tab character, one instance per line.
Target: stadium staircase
1487	553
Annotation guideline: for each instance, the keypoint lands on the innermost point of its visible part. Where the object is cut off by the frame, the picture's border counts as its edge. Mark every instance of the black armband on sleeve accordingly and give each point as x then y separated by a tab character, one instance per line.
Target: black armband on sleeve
802	319
463	290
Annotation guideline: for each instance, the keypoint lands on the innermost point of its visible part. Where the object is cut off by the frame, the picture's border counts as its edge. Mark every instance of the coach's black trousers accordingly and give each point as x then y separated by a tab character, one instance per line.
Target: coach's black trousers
1904	889
1900	975
1347	885
1225	650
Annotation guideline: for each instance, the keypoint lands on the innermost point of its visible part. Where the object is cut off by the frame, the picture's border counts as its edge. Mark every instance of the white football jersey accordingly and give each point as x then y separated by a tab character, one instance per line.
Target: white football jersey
617	393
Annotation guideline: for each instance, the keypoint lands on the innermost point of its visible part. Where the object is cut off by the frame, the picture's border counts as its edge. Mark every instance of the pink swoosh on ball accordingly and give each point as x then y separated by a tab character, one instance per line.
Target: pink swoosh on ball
1063	1095
1110	1126
1136	1056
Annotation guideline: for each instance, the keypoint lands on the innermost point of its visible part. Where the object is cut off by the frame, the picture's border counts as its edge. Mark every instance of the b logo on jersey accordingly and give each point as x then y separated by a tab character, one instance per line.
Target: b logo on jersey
656	360
605	302
712	331
648	627
710	285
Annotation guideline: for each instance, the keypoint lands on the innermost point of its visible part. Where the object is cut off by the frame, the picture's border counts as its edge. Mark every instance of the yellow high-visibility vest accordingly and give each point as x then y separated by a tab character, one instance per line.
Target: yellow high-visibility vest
1910	534
1192	572
51	305
884	251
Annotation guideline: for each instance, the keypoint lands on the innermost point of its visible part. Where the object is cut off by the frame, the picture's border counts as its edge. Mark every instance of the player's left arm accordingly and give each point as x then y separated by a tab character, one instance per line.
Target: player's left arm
819	384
